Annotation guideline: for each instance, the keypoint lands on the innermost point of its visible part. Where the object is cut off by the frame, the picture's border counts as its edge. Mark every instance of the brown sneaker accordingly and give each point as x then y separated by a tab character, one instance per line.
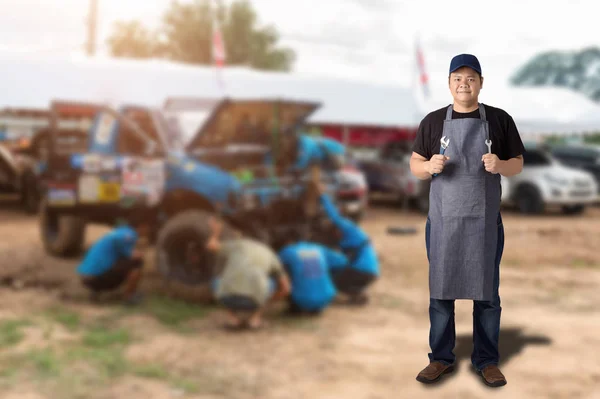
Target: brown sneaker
492	376
433	372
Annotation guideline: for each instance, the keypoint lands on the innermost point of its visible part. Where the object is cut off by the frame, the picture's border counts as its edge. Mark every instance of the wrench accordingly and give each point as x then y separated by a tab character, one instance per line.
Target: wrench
488	142
444	144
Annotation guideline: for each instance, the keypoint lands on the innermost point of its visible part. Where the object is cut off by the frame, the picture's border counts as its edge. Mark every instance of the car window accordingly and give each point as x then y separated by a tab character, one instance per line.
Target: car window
535	158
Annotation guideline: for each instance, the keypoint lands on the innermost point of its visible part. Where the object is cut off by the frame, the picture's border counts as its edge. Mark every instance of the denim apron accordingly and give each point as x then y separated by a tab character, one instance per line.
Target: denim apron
463	215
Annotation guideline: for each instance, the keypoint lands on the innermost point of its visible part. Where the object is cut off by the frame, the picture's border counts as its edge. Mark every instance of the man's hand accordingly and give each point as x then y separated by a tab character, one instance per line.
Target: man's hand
436	164
216	226
137	254
284	288
491	163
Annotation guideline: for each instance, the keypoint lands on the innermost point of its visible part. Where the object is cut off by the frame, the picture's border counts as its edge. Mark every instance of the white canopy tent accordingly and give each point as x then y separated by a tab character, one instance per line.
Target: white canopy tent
33	81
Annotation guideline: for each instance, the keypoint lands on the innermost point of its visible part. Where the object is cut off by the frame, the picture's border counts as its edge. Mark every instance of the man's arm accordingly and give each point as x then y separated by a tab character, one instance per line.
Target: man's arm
512	167
335	260
213	243
331	210
283	287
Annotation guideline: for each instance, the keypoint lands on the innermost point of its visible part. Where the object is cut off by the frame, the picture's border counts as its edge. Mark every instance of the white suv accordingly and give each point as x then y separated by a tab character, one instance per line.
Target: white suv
546	182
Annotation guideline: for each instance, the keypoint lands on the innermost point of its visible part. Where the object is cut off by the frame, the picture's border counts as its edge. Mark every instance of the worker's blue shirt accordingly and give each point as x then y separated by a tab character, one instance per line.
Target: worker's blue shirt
105	252
354	240
316	149
308	265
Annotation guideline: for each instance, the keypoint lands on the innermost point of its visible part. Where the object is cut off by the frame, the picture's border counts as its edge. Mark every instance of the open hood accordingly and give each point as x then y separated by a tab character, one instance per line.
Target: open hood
253	122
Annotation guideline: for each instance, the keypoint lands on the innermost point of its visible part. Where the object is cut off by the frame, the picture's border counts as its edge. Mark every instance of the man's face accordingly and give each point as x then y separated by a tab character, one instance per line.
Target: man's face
465	85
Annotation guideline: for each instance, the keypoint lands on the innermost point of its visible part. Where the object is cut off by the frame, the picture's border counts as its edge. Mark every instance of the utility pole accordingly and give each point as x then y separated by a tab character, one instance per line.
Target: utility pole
92	24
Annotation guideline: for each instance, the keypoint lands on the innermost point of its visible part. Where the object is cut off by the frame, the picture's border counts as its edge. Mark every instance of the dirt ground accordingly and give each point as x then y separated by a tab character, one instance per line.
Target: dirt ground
550	285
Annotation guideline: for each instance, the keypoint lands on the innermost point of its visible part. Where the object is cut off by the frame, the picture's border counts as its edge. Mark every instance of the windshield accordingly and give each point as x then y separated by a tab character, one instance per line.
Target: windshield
537	158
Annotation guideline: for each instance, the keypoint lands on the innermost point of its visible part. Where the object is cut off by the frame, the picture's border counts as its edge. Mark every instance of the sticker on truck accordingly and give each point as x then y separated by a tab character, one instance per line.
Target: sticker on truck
61	196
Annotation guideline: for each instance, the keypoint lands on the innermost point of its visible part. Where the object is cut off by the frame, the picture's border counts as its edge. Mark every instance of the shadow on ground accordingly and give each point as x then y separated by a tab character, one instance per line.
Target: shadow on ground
512	342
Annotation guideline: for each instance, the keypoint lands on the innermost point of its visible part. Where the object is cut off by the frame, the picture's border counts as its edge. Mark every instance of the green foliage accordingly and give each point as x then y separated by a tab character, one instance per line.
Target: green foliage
186	36
11	332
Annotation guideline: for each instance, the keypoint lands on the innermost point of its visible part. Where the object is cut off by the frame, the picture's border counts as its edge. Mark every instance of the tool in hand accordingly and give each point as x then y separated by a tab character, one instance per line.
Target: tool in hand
444	144
488	142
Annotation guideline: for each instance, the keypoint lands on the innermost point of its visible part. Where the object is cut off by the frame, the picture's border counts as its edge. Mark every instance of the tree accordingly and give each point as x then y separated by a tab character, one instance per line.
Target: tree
186	34
132	40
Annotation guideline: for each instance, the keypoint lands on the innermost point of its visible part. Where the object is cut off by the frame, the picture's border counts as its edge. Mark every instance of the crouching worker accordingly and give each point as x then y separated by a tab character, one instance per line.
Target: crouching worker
252	275
115	260
308	265
363	265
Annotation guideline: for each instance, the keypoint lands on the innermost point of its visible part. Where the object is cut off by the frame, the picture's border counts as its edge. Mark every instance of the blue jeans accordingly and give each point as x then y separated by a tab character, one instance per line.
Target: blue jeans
486	320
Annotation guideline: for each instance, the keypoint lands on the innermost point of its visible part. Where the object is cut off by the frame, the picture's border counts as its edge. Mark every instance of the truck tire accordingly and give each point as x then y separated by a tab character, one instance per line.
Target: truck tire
30	194
529	200
573	209
62	235
180	248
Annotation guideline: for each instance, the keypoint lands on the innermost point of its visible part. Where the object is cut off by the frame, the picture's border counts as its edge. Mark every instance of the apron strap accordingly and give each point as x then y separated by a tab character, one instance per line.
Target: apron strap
481	115
449	113
485	124
482	112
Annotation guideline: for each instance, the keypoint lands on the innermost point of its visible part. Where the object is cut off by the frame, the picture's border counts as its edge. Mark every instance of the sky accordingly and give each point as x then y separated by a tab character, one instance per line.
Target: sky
369	40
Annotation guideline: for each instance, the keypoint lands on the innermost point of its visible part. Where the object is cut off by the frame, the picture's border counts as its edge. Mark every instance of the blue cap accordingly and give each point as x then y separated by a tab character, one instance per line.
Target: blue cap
462	60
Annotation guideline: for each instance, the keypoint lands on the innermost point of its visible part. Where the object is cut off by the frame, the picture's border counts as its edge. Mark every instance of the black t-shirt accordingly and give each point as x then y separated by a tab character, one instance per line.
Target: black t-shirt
503	132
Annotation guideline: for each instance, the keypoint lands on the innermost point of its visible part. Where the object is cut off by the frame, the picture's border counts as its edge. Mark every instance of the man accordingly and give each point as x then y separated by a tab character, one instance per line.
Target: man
318	150
464	233
115	260
308	265
252	275
363	265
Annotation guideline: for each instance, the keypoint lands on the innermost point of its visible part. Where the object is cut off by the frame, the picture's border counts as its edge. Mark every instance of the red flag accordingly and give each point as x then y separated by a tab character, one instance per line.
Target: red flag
218	45
423	77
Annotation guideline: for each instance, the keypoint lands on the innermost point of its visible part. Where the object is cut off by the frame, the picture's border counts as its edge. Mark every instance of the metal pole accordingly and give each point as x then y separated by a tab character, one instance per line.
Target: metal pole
92	27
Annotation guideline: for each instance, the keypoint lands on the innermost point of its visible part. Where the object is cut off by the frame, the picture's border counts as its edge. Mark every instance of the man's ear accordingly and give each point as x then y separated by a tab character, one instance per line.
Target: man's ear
482	82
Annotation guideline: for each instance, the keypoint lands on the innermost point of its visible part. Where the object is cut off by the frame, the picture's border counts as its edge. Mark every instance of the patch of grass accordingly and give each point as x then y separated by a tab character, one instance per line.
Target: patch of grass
11	332
69	319
153	371
511	262
582	263
45	362
107	362
101	338
391	302
173	312
187	386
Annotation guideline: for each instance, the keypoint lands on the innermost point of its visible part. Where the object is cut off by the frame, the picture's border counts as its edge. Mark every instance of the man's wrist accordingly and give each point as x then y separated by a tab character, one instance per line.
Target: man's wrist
426	167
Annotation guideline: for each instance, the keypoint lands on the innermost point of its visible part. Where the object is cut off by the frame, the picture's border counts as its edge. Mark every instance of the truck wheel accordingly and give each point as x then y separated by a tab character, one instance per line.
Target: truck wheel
529	200
180	249
573	209
62	235
30	193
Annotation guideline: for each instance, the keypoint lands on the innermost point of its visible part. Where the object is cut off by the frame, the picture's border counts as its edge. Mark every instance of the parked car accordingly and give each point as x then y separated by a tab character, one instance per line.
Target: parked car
580	156
545	181
389	173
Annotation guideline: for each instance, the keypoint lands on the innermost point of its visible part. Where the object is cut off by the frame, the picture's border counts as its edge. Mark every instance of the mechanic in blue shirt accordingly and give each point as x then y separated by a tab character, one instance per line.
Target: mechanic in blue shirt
308	265
363	264
318	150
114	260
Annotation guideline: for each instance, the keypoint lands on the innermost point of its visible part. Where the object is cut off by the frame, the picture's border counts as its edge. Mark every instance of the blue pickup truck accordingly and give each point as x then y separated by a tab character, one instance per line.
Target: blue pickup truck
241	165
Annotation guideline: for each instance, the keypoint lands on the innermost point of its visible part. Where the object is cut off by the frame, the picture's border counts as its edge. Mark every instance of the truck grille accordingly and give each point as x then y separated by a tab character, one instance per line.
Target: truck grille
581	183
580	193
